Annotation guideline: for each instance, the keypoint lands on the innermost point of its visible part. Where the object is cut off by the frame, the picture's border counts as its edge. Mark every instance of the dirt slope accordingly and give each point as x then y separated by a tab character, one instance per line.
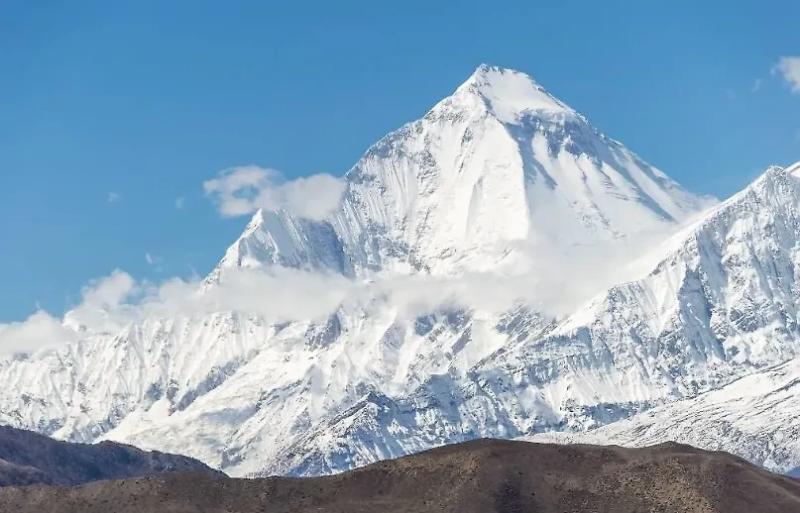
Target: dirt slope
481	476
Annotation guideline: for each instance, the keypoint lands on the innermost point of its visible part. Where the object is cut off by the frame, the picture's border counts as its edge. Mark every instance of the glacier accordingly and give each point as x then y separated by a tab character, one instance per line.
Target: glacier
675	298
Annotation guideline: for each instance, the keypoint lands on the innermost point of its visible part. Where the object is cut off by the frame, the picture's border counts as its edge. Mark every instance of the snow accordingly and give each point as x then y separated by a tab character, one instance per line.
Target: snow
754	417
680	300
510	94
464	189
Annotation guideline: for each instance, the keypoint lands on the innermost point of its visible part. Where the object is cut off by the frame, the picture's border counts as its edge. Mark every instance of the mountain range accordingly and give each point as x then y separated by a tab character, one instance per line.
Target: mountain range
517	274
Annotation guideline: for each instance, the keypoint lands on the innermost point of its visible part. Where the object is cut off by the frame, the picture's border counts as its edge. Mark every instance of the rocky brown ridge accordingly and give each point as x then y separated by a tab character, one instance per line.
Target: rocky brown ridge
475	477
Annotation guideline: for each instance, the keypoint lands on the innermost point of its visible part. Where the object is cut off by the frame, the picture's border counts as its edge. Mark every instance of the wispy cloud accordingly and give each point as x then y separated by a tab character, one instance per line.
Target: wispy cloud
245	189
756	85
154	261
38	331
113	197
180	202
789	68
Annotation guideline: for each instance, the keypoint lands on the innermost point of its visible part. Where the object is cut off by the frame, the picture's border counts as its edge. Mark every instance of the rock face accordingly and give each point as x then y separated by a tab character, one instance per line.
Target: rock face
28	458
498	183
480	476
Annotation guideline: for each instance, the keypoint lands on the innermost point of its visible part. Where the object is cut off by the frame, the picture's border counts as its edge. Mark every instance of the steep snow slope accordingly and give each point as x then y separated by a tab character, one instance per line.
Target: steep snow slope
293	384
756	417
83	390
498	174
724	300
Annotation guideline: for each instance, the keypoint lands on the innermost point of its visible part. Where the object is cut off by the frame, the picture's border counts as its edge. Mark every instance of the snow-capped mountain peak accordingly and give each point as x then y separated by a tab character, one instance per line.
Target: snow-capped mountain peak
510	94
498	166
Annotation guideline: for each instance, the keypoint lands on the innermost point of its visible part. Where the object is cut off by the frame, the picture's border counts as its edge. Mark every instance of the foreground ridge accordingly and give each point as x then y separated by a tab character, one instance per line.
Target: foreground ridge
476	477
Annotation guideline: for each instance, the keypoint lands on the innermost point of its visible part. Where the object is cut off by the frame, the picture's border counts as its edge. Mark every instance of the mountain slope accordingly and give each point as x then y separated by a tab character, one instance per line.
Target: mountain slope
755	417
721	303
481	476
29	458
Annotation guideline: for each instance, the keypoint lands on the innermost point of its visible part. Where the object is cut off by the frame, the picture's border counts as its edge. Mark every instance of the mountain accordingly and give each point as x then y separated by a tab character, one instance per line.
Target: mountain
499	163
621	293
480	476
29	458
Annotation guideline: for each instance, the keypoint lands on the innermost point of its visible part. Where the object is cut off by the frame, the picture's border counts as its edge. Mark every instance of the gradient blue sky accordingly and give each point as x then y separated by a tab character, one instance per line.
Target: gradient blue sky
140	102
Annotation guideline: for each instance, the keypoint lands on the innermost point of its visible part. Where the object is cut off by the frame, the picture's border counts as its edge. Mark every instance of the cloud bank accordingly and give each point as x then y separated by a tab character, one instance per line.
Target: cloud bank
280	294
243	190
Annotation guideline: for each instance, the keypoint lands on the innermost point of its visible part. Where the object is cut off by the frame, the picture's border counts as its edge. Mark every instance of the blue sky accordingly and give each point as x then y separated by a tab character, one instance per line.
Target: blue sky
113	114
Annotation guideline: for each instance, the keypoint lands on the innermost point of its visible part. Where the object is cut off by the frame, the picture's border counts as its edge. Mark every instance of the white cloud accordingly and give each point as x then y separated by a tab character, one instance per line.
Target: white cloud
789	68
111	303
104	306
245	189
180	202
38	331
278	294
109	291
113	197
756	85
